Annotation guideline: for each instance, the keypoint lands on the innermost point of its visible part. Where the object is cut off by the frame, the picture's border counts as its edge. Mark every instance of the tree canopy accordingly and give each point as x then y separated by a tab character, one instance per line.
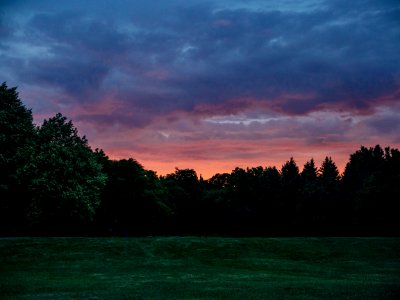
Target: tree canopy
66	178
17	138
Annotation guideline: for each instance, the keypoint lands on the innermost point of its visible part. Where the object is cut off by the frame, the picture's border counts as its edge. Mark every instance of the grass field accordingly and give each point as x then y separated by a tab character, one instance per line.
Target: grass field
199	268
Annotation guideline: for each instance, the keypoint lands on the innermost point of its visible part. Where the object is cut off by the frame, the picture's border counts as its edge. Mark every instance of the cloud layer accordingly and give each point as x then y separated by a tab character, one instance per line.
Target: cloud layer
210	84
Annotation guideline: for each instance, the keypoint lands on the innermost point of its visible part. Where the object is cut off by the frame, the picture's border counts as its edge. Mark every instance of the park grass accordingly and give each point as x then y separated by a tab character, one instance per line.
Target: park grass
199	268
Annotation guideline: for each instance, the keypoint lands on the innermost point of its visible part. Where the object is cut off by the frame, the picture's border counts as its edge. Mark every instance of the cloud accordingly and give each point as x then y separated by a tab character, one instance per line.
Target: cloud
315	74
341	56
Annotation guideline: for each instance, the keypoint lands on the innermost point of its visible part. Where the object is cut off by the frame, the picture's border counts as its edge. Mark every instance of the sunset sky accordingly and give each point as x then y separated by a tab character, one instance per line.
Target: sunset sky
210	85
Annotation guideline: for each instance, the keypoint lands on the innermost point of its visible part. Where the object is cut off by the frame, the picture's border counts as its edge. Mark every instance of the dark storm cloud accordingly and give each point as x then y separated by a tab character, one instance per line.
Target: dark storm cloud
348	58
79	32
5	30
182	54
78	78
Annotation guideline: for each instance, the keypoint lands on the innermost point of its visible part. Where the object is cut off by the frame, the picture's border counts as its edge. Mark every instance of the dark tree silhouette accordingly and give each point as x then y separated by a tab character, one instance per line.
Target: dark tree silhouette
219	181
185	195
329	178
216	200
66	179
310	198
132	201
272	191
362	175
389	204
290	194
328	172
17	138
309	172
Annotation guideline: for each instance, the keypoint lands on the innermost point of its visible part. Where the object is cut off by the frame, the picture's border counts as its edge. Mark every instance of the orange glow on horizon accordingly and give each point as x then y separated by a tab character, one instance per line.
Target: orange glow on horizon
208	168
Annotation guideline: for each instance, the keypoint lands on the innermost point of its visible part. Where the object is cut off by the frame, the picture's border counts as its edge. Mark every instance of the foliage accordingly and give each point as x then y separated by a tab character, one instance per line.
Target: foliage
133	202
52	182
66	177
17	137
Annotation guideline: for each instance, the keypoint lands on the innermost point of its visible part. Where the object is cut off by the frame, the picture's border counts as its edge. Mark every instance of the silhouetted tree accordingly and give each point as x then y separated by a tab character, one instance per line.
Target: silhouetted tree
17	139
216	199
290	177
270	202
362	164
257	194
389	220
329	178
219	181
309	208
371	182
240	211
66	179
185	196
328	172
309	172
133	201
363	171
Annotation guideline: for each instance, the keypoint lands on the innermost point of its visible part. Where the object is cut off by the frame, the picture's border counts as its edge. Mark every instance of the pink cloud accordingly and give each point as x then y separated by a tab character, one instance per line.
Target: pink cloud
243	132
184	143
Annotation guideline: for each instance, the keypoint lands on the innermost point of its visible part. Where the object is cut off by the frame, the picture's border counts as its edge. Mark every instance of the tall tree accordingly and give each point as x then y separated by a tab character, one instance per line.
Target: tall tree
309	172
17	135
329	172
329	178
66	178
290	173
290	176
309	208
272	190
362	164
133	201
391	192
217	202
185	195
361	180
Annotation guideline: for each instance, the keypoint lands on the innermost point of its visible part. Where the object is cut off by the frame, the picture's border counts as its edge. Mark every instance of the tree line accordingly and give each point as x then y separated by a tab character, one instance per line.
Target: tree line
53	183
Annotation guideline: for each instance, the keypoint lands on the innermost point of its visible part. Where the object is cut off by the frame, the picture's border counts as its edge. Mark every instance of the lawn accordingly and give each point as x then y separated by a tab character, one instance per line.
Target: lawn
199	268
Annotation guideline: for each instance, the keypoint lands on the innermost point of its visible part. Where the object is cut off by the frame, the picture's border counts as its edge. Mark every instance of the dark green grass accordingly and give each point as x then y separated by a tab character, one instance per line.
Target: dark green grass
200	268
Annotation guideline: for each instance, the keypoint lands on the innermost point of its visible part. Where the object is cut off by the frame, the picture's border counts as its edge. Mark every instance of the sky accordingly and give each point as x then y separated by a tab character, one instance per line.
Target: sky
210	85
